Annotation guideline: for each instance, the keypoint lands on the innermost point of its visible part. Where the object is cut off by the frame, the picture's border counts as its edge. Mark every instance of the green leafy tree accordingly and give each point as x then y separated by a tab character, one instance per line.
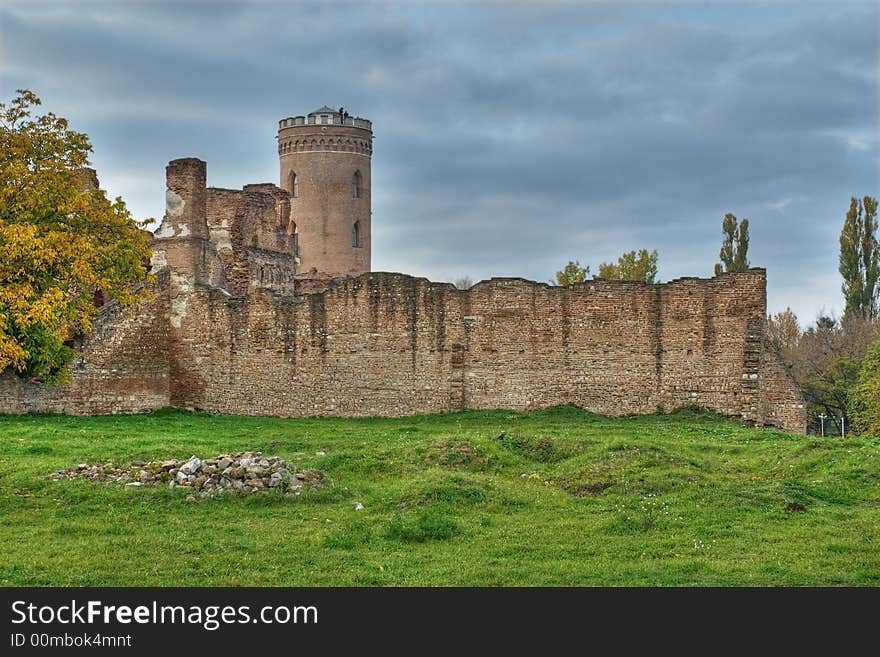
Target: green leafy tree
571	274
866	403
735	246
632	266
61	243
826	363
860	259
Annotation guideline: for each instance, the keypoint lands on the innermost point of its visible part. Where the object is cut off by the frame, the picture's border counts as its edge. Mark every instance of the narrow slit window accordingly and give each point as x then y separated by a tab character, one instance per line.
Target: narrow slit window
294	185
356	185
356	234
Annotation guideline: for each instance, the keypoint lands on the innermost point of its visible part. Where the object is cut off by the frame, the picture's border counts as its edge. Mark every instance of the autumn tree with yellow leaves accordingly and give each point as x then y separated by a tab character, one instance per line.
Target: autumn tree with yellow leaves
571	274
60	242
632	266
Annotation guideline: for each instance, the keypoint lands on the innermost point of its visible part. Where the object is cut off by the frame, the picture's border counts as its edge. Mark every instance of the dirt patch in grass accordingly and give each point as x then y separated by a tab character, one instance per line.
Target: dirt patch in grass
795	506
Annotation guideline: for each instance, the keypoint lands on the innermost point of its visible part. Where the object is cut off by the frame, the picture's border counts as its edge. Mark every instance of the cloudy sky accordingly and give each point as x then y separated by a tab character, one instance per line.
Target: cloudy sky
510	137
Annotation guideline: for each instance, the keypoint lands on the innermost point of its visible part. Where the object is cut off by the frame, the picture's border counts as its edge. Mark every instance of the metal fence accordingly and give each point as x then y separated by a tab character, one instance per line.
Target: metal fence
830	426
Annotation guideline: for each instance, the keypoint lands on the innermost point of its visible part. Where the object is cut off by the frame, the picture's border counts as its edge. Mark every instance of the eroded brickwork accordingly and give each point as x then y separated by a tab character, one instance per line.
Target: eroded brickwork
390	344
251	230
123	367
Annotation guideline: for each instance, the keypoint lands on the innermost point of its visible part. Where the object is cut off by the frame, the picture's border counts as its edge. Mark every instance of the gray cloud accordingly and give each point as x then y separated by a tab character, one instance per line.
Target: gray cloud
509	137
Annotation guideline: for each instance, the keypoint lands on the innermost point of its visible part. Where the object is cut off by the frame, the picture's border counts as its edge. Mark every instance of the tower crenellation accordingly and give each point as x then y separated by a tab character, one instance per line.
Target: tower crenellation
334	119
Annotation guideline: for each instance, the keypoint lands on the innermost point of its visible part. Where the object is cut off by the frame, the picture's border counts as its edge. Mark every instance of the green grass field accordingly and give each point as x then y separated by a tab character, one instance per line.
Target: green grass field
563	498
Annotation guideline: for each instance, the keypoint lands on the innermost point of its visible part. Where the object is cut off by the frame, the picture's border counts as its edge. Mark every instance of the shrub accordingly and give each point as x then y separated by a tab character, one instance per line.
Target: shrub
866	406
540	449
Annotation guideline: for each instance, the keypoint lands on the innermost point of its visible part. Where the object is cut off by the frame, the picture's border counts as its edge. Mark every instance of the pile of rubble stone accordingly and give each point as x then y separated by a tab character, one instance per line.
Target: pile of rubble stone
247	472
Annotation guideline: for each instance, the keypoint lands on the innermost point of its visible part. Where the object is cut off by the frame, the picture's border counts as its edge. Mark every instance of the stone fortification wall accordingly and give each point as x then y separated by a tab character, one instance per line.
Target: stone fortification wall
390	344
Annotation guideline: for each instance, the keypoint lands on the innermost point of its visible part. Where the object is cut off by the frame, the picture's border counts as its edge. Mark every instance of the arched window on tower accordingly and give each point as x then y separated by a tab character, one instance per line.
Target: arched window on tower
356	185
294	185
356	235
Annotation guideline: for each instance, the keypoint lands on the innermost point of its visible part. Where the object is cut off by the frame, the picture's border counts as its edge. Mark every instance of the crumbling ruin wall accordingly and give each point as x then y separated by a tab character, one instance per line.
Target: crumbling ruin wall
390	344
252	231
781	401
121	367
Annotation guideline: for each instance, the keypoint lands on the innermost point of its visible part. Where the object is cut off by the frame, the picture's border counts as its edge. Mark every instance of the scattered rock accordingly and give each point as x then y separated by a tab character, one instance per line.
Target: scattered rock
247	472
358	506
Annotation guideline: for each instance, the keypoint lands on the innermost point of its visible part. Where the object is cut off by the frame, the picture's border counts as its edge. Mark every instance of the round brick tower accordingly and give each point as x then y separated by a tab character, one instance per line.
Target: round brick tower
325	165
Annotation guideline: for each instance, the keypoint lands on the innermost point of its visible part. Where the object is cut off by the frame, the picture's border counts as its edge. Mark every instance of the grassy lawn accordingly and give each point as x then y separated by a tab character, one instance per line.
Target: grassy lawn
553	497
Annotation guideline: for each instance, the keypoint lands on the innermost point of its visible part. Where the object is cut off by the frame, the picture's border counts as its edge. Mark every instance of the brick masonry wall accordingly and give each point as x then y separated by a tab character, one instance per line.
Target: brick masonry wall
390	344
250	229
224	209
782	404
122	367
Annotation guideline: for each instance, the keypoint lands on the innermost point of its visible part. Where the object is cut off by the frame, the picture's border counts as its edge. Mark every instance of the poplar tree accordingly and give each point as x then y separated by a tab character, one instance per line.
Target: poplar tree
735	246
860	259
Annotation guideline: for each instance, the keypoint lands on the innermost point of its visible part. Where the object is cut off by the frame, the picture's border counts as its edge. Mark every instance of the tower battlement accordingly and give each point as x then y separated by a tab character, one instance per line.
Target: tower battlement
334	119
326	116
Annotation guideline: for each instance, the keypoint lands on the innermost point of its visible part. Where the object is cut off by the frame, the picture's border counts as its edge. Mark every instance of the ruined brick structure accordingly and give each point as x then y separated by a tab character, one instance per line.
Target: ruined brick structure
236	326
